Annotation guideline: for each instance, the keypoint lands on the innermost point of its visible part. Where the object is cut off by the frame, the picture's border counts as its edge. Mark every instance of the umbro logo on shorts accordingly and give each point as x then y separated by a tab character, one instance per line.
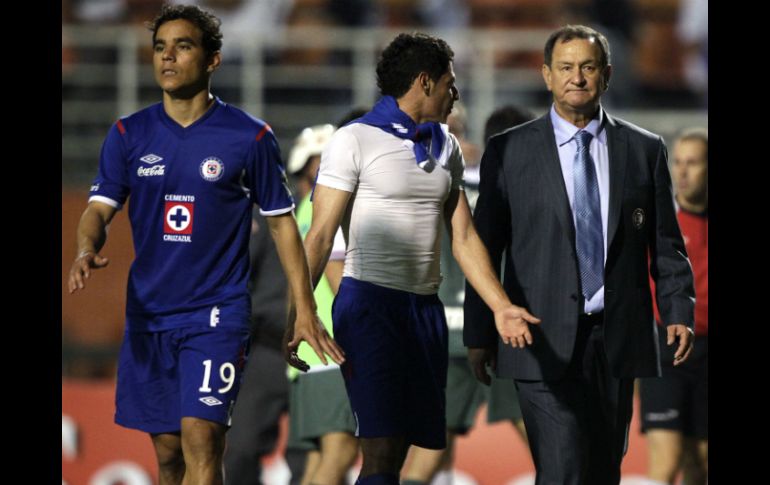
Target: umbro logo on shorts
669	415
210	401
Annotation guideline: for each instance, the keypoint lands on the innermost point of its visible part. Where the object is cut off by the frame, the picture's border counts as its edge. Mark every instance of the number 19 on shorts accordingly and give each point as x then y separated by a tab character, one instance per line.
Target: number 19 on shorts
226	374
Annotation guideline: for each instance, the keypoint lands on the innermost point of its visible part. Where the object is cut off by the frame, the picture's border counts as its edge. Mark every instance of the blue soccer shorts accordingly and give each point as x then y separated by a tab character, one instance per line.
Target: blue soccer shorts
183	372
396	353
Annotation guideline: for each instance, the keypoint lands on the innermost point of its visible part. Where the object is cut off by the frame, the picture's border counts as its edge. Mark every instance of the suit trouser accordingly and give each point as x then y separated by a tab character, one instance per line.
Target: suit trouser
578	426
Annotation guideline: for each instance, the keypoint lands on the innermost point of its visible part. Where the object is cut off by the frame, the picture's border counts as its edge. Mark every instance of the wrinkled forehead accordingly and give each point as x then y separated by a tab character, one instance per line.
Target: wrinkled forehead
578	46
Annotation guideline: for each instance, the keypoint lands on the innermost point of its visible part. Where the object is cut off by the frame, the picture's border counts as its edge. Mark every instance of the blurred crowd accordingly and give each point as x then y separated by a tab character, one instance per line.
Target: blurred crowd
660	47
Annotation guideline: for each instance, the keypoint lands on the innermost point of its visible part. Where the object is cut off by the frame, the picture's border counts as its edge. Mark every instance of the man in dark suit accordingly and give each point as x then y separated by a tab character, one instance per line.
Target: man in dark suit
581	204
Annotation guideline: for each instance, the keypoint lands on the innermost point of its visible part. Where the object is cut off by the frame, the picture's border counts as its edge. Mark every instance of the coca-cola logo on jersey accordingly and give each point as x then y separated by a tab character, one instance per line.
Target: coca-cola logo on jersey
153	171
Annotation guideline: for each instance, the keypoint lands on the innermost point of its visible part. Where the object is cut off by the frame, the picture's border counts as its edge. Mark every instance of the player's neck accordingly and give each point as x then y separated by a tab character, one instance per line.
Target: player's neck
410	106
186	111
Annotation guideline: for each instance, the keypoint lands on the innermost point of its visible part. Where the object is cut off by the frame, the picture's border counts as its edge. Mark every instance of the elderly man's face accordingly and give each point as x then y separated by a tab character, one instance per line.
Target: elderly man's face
576	77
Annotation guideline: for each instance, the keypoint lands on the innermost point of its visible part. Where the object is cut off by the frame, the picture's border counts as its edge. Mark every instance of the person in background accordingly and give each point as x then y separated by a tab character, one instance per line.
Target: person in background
675	405
320	420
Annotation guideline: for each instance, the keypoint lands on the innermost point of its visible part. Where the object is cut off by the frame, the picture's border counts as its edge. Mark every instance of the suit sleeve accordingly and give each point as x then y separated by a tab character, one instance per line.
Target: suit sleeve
493	224
669	266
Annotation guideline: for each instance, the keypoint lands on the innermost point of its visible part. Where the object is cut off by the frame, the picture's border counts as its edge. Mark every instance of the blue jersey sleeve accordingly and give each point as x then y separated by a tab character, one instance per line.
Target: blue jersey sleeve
267	177
111	185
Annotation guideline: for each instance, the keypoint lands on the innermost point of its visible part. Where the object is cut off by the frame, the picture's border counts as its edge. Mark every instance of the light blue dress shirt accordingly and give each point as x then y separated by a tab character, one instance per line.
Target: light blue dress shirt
565	132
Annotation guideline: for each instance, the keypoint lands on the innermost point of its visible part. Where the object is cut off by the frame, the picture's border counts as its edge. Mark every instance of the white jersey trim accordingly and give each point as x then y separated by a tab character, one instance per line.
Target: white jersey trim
334	183
105	200
277	212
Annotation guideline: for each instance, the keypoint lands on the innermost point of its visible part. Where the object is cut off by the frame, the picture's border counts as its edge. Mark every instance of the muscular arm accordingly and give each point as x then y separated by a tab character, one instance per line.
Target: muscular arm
511	321
306	326
471	254
333	273
329	207
91	236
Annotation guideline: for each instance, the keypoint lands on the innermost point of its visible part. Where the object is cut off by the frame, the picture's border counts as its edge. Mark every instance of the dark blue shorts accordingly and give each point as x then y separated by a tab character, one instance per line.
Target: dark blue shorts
396	353
183	372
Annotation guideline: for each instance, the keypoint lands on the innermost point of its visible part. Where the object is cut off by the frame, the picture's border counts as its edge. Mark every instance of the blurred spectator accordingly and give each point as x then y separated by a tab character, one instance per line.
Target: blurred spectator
264	394
354	13
458	122
675	405
243	18
99	11
321	422
693	31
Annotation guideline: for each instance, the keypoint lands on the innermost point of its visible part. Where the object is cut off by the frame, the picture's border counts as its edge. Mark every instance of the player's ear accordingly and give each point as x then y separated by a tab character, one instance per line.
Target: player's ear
215	60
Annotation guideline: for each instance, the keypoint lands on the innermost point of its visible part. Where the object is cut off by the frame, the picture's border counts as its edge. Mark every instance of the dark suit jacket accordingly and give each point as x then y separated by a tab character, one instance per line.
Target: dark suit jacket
523	211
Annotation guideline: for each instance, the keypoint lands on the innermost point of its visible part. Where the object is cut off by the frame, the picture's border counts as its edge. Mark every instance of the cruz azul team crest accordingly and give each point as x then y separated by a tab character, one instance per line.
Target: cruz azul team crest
212	169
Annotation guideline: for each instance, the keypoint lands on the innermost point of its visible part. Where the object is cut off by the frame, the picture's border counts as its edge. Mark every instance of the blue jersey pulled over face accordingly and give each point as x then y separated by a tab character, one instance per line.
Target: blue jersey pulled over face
191	191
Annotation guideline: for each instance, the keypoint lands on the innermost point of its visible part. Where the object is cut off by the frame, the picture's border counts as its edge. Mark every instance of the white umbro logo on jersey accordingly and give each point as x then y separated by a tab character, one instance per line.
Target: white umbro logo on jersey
210	401
399	128
151	158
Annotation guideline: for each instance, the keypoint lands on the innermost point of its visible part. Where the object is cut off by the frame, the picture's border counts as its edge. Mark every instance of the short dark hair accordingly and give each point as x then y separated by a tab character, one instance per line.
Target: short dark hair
208	24
506	117
569	32
698	134
406	57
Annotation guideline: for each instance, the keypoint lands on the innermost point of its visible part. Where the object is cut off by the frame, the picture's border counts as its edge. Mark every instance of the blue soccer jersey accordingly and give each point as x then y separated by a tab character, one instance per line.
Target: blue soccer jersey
191	191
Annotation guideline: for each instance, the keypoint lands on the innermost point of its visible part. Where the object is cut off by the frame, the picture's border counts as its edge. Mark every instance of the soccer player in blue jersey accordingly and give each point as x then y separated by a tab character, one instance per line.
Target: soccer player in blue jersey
192	166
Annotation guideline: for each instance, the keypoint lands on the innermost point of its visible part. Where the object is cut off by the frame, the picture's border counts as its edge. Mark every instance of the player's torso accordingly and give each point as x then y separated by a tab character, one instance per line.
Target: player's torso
395	222
185	185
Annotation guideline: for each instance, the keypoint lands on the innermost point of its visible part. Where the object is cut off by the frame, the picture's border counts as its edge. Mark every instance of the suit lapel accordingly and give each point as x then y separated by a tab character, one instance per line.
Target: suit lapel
618	149
552	175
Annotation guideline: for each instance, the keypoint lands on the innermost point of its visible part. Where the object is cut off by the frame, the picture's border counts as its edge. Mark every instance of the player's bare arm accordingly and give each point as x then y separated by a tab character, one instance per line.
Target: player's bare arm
91	236
305	325
472	256
328	208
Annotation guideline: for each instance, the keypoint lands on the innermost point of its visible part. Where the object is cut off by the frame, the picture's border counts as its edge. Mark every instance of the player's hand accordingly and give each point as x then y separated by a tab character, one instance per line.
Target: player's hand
512	324
311	330
81	269
686	338
290	354
479	358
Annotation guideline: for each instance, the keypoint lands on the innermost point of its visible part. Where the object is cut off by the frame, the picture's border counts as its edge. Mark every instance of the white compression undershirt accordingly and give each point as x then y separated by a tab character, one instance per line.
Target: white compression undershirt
395	215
